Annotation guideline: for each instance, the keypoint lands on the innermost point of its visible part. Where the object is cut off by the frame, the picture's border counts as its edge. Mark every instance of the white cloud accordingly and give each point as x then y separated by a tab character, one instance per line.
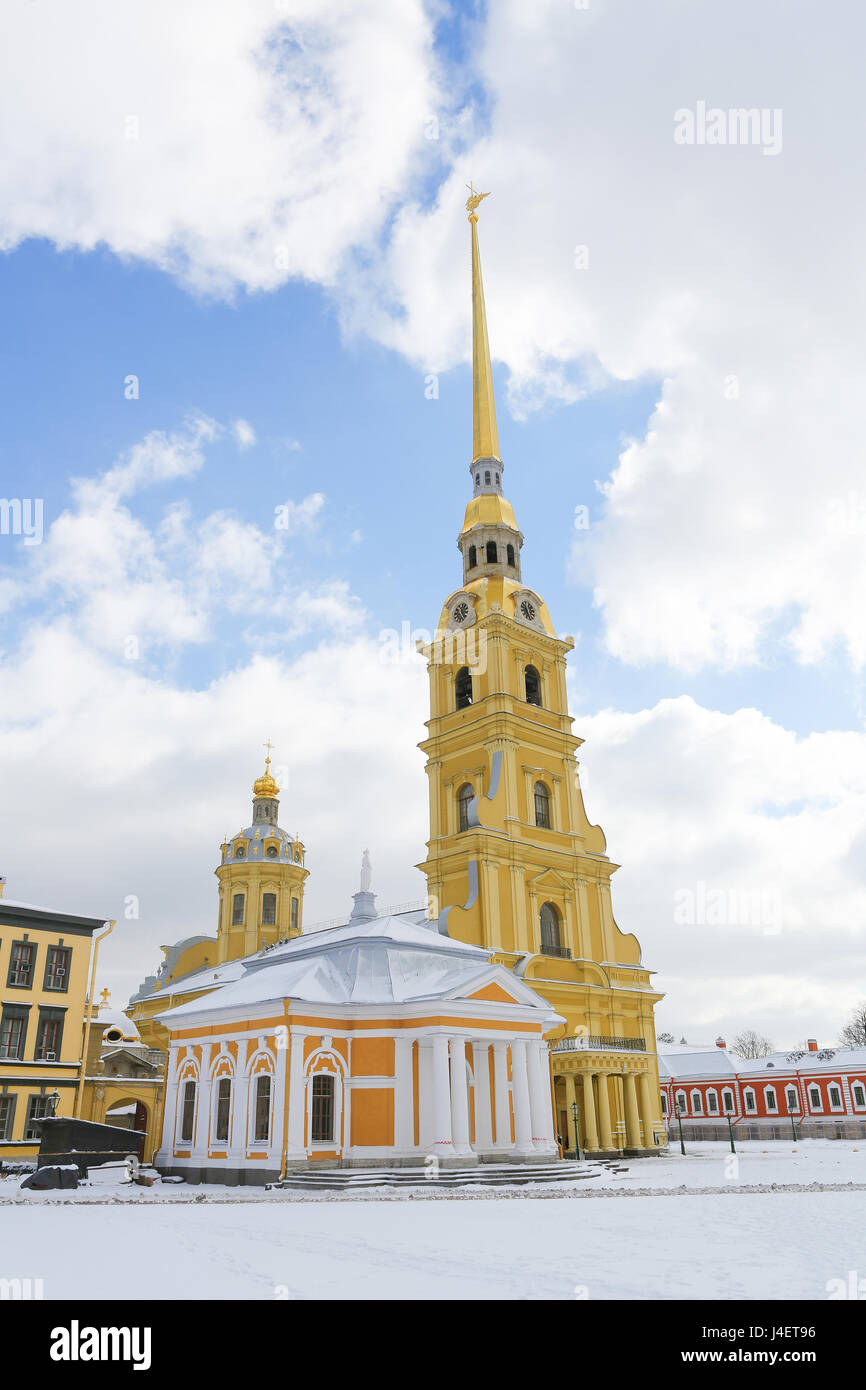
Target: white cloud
245	435
232	145
295	517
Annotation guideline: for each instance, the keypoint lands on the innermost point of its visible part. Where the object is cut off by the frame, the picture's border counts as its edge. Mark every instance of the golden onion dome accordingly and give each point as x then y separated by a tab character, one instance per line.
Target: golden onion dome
266	785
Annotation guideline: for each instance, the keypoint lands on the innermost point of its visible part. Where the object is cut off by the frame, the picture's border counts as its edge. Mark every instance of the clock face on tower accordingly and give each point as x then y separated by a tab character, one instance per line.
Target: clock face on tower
528	610
460	612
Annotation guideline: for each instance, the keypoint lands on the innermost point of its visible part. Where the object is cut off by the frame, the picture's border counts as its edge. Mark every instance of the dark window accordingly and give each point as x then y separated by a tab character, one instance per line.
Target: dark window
542	806
240	852
7	1116
473	557
491	552
464	796
37	1108
21	962
269	909
858	1093
497	480
713	1103
188	1112
294	914
238	910
533	686
814	1097
263	1108
463	688
477	479
728	1103
323	1110
57	968
749	1098
223	1109
486	479
550	939
272	852
509	551
793	1101
770	1098
835	1097
664	1104
13	1031
49	1036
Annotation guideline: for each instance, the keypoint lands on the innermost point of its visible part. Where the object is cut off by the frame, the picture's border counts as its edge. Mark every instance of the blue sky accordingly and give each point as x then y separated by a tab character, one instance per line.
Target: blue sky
281	241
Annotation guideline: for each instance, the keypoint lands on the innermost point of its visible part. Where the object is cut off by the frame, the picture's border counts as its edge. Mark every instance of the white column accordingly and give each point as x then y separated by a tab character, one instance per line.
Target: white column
500	1095
278	1101
295	1148
404	1110
483	1125
443	1146
540	1103
520	1091
425	1096
459	1097
239	1116
202	1108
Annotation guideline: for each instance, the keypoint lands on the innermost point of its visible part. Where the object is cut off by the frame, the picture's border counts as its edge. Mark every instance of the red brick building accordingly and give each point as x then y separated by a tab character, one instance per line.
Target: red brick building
813	1093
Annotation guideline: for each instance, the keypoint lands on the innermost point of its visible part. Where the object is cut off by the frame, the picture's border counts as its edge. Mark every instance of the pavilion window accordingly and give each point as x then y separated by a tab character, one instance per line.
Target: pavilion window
263	1109
269	909
464	797
486	479
322	1119
463	688
542	806
532	684
551	942
294	914
509	552
491	553
223	1108
187	1112
473	557
238	910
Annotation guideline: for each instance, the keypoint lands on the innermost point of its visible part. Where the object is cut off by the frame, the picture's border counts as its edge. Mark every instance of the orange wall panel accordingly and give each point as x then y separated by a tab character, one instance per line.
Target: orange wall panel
373	1057
373	1117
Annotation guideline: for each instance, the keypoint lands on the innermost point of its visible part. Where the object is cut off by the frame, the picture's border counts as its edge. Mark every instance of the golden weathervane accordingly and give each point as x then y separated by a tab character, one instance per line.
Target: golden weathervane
474	198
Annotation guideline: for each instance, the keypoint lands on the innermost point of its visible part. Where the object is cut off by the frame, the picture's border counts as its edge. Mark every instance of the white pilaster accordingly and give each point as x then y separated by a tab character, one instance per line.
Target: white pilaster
404	1110
295	1148
202	1107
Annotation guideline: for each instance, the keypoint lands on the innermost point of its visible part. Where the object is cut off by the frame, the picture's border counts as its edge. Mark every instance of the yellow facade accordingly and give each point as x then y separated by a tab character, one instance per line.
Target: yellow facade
513	861
45	959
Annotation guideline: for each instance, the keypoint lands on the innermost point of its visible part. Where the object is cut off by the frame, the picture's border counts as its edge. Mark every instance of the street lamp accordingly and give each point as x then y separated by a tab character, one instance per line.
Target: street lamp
574	1114
53	1099
680	1123
730	1131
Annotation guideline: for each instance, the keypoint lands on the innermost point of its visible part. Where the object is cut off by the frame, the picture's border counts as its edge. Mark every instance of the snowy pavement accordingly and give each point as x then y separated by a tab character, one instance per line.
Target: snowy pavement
778	1224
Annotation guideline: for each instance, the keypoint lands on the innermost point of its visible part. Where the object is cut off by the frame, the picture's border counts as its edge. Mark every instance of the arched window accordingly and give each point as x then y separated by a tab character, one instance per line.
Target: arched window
464	796
238	910
542	806
473	557
509	551
187	1112
551	944
269	909
223	1109
533	686
712	1103
749	1101
491	552
294	914
477	479
322	1127
770	1100
463	688
486	479
497	480
793	1100
728	1102
681	1102
697	1103
262	1130
664	1104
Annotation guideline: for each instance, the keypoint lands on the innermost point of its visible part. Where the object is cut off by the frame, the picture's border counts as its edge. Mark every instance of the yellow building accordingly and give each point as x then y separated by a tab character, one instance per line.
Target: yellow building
261	877
45	960
124	1081
513	862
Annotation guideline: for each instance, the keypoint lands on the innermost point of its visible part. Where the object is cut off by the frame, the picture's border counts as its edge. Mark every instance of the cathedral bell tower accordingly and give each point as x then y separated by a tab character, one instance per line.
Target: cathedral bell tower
513	863
261	879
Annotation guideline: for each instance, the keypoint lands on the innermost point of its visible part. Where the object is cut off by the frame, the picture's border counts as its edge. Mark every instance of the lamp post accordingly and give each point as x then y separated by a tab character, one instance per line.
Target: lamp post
53	1099
731	1132
574	1114
680	1123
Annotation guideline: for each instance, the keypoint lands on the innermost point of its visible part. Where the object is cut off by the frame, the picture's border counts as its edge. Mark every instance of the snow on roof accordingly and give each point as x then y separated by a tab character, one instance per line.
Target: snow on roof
113	1018
684	1062
383	961
50	911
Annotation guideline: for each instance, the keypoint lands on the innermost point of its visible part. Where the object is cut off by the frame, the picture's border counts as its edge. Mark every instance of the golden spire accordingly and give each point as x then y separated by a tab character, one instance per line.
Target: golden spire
266	785
485	439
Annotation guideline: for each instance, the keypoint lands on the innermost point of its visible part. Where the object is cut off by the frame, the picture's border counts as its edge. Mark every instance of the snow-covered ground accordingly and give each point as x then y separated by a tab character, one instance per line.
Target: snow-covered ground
668	1228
